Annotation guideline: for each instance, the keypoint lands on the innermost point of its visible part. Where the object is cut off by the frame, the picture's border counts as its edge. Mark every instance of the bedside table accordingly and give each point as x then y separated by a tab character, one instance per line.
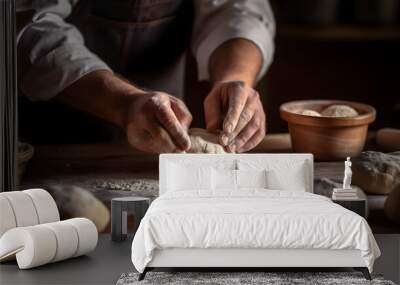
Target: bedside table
120	209
358	205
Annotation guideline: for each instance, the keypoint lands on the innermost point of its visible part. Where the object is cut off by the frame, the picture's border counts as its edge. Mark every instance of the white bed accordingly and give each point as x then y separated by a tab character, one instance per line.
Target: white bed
198	223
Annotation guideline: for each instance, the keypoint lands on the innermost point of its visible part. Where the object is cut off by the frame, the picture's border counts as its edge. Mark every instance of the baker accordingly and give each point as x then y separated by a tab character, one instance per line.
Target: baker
123	61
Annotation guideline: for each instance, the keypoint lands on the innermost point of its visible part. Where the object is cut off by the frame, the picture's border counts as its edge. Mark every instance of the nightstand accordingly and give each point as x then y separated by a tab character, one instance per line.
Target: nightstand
358	205
120	208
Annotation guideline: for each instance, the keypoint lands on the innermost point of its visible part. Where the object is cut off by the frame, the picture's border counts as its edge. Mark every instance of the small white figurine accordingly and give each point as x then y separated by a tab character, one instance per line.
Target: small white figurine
347	174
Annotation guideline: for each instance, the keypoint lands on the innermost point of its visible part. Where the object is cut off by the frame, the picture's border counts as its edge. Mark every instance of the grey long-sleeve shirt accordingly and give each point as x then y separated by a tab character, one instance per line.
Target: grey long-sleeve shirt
53	55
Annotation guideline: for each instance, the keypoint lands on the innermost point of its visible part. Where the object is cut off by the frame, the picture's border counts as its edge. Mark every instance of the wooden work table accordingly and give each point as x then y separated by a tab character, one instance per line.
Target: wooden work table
120	159
91	165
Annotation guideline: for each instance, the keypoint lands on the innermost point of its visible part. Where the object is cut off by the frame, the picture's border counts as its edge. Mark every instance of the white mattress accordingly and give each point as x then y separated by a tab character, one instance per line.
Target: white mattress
254	218
256	257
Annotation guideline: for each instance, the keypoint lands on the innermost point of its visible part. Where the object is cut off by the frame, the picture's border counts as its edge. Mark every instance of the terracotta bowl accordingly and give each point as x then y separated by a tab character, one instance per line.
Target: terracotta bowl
328	138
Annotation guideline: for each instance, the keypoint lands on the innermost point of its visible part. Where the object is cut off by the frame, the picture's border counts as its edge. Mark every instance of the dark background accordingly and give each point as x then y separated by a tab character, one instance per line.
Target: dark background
325	49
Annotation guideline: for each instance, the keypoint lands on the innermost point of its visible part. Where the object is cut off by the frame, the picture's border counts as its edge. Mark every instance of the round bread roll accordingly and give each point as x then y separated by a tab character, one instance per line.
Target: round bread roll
308	112
75	201
376	172
339	111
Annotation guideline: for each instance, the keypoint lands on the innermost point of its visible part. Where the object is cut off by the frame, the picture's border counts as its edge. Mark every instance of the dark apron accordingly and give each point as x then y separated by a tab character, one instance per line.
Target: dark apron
143	40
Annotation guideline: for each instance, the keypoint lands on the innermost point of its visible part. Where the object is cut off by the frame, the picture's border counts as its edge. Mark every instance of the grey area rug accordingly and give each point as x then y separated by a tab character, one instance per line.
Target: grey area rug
236	278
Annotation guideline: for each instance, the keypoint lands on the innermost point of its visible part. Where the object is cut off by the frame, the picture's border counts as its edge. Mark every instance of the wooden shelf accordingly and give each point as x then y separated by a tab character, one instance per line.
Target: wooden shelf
350	33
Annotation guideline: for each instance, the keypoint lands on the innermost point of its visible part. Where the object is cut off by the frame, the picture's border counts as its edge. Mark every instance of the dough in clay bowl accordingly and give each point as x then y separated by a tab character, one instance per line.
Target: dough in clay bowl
308	112
204	142
339	111
377	172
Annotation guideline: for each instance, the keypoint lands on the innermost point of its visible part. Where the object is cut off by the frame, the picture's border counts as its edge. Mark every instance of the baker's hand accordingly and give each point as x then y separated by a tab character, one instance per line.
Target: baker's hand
236	109
158	123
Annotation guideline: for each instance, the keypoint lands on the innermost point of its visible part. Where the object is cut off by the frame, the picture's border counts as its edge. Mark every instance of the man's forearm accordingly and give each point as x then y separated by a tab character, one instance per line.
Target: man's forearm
236	60
102	94
153	121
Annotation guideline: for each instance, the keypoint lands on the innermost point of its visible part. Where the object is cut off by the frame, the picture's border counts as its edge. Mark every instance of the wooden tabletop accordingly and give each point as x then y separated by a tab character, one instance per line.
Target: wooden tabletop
91	165
112	158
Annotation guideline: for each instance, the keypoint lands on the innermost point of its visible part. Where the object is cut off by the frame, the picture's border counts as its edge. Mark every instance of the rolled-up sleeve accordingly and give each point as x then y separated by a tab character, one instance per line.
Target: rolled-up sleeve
51	52
217	21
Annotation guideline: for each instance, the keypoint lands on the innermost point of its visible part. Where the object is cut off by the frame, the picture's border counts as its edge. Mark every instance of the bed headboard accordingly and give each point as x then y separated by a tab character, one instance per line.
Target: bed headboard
276	162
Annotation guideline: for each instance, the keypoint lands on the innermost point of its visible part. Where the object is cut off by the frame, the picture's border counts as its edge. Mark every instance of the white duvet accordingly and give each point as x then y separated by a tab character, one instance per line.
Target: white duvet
251	219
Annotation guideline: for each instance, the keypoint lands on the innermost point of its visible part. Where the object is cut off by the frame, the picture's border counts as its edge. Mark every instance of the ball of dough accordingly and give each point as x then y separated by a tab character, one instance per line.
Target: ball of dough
377	172
339	111
204	142
74	201
308	112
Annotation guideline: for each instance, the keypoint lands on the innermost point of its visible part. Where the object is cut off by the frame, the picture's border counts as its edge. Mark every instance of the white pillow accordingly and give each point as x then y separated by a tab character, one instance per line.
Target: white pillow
183	178
291	179
251	178
282	174
224	179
